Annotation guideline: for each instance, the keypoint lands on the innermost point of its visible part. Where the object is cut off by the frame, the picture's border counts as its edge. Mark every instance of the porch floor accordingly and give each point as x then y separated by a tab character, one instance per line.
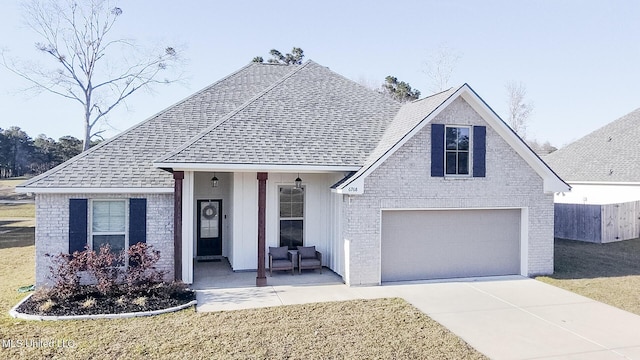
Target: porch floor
218	288
218	275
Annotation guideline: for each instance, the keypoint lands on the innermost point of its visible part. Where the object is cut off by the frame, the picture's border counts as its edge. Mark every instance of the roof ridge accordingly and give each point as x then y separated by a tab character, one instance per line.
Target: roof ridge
381	95
595	131
434	94
128	130
233	112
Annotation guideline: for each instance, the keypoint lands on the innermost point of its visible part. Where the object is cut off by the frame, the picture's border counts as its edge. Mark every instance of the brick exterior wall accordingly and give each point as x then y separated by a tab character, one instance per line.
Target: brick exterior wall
52	228
404	181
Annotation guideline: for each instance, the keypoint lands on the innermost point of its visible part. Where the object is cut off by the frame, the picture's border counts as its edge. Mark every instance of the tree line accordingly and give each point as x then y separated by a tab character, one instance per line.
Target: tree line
22	155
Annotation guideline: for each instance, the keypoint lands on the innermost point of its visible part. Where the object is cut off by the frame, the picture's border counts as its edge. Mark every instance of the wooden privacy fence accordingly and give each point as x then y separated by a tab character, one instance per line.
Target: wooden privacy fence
597	223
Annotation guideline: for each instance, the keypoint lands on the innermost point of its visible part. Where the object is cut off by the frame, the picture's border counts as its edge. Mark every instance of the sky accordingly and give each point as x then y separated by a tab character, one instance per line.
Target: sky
579	60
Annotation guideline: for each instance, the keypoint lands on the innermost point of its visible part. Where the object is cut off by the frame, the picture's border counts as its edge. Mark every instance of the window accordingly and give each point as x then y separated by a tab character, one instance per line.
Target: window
291	201
451	151
109	224
456	150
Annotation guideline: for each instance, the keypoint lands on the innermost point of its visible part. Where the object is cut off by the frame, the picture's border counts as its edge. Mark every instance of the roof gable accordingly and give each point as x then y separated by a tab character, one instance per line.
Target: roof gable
416	115
608	154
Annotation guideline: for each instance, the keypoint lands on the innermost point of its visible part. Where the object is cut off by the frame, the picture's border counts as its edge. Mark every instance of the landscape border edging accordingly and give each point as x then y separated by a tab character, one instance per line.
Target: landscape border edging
18	315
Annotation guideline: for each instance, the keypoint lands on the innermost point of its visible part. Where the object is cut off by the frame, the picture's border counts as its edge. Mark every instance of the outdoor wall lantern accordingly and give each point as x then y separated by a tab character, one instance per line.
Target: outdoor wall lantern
298	182
214	181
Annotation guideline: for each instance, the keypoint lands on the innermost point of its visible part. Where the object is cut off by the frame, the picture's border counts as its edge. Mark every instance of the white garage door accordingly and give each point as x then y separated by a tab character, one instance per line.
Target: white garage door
438	244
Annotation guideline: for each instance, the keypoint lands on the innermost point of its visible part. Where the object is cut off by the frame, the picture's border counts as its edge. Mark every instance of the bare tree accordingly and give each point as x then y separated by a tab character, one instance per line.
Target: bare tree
541	149
519	111
439	67
92	68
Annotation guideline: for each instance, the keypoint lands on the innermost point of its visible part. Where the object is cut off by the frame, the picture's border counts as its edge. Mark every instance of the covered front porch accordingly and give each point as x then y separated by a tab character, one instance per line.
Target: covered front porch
232	218
220	275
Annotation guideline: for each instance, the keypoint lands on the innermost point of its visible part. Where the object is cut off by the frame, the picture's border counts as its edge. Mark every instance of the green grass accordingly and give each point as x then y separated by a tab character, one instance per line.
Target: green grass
362	329
609	273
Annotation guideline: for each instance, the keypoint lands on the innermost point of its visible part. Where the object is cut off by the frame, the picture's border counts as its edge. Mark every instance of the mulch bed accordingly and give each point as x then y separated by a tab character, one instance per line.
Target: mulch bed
156	297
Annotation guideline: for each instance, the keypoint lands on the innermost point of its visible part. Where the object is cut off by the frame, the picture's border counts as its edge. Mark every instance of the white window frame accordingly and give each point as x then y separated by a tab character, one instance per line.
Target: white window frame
126	225
469	152
304	212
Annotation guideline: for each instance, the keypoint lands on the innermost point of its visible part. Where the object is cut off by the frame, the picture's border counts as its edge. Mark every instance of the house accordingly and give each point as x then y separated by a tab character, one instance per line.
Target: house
603	169
436	188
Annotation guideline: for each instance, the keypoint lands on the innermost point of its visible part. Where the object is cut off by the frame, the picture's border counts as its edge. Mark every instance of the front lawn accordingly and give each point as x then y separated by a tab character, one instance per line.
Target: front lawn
381	329
609	273
17	211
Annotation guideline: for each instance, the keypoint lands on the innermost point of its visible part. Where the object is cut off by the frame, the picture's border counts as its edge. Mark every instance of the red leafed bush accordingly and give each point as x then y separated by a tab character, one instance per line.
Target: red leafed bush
106	270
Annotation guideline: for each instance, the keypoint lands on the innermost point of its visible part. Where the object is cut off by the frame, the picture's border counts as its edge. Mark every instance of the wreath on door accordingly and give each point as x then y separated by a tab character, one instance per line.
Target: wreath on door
209	212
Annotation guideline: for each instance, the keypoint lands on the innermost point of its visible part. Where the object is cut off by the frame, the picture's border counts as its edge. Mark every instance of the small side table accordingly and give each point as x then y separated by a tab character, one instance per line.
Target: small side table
294	256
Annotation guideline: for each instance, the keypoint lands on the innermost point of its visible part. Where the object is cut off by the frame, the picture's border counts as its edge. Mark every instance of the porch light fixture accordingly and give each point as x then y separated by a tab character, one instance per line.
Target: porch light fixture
214	181
298	182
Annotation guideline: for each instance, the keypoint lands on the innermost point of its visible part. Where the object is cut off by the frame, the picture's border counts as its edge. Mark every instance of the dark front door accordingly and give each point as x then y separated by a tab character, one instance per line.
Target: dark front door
209	227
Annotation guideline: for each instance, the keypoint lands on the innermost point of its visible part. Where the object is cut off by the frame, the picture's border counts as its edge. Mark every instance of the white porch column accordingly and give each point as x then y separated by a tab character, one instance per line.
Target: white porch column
187	227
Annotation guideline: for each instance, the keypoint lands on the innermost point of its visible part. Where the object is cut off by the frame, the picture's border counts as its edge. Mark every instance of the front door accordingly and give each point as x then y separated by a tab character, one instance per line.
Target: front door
209	227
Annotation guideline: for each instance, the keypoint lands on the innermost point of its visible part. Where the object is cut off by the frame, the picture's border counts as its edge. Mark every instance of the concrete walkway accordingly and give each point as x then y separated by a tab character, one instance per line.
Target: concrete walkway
503	317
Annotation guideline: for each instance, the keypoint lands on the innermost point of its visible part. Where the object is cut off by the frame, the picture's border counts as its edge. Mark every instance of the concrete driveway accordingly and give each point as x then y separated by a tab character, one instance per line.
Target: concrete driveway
503	317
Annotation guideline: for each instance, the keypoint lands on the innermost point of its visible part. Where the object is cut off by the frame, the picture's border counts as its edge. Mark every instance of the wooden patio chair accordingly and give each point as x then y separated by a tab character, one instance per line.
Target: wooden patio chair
280	259
309	258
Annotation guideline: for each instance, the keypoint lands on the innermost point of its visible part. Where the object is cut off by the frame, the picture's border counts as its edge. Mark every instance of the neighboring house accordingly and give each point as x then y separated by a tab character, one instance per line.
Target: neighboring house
436	188
603	169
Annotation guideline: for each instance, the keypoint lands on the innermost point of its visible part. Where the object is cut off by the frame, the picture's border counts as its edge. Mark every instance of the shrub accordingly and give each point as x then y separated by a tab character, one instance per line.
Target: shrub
47	306
122	301
174	289
41	294
66	274
89	303
142	270
140	301
105	267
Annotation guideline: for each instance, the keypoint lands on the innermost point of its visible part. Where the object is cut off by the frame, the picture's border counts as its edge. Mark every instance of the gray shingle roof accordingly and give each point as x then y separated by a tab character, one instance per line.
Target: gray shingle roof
609	154
406	119
409	116
312	116
127	159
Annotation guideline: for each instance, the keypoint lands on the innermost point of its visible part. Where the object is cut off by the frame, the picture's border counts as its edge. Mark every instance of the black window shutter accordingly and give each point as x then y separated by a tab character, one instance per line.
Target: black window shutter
479	151
137	221
437	150
77	225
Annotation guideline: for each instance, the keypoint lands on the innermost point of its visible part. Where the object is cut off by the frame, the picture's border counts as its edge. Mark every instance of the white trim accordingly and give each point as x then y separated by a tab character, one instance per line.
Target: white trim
256	167
469	153
604	183
92	190
188	184
552	182
399	144
356	187
454	209
304	212
125	232
524	241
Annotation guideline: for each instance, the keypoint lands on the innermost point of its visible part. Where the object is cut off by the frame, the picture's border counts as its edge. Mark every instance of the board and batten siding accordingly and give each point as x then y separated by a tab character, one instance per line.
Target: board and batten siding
598	223
321	216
